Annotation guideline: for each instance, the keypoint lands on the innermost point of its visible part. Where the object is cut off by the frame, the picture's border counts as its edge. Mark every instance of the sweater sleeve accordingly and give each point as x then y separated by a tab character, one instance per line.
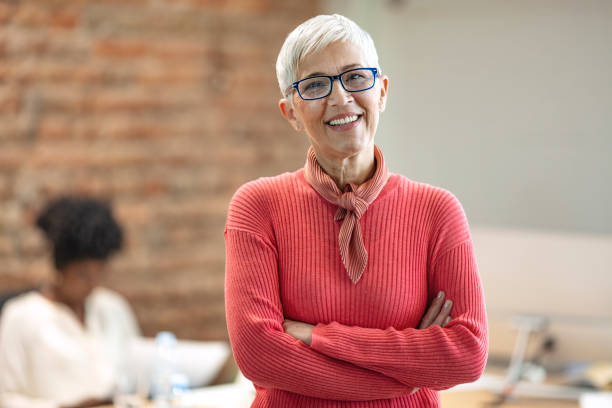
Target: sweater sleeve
435	357
264	352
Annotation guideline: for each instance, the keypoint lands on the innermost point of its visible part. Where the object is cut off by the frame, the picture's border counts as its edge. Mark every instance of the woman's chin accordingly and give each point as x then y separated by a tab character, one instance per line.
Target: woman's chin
341	145
352	147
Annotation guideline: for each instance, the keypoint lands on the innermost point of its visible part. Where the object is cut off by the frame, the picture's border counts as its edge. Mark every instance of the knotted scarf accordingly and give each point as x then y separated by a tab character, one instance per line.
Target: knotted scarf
352	204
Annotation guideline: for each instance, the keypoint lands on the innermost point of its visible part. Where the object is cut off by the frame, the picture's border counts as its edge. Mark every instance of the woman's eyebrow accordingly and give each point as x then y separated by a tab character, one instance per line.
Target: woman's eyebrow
344	68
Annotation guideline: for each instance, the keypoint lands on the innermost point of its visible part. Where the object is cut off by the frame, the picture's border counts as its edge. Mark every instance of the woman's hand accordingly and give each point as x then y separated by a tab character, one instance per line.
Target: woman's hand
438	313
299	330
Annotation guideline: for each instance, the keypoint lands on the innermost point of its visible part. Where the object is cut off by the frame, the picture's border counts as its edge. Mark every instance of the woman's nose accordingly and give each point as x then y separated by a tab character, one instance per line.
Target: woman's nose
338	95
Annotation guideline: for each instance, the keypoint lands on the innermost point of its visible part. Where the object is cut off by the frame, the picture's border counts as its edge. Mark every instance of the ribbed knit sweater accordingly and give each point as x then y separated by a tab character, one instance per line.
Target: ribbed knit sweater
283	262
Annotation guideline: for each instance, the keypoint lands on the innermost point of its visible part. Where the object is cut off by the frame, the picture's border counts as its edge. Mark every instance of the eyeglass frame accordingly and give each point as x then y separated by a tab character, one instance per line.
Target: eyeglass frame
332	78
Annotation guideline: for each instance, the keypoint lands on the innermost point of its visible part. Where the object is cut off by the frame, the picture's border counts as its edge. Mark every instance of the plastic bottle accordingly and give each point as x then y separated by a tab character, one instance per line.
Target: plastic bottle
180	390
163	370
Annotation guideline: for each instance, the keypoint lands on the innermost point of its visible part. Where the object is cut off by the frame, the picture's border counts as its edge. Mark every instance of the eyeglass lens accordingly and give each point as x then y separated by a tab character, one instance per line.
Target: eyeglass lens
353	81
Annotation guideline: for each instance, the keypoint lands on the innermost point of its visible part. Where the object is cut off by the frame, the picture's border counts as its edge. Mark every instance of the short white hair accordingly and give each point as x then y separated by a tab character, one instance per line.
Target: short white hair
315	34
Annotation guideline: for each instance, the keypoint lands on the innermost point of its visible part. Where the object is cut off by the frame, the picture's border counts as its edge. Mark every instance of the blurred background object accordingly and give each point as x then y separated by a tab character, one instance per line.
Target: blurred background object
72	343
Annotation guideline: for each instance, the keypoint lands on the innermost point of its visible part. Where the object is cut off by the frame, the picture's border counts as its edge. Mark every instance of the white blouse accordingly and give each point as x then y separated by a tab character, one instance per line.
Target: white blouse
47	357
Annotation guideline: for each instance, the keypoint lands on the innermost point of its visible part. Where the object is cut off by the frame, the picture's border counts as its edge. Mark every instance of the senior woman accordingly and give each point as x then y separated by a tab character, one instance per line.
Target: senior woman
336	274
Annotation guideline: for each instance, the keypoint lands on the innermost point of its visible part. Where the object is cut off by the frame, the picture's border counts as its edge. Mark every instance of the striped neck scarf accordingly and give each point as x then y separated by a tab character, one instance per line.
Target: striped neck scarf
352	204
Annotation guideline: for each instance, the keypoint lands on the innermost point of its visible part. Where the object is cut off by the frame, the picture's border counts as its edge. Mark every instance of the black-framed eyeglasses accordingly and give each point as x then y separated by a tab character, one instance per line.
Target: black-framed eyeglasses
320	86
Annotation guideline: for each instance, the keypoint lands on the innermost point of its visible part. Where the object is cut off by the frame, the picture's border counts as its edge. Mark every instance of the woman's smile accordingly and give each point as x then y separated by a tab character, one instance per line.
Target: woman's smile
344	121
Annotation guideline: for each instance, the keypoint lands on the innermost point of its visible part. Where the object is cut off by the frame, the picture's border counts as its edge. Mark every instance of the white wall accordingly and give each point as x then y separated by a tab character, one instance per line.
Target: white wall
508	104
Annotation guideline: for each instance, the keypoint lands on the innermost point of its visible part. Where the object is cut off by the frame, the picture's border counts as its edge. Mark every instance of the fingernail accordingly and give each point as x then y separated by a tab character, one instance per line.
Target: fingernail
448	304
440	294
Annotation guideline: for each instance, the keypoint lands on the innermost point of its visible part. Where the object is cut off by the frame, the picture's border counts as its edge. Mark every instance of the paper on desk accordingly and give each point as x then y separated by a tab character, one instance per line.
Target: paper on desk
200	361
219	396
596	400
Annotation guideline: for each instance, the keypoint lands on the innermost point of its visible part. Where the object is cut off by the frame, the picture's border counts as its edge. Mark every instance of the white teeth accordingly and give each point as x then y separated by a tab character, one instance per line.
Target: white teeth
343	121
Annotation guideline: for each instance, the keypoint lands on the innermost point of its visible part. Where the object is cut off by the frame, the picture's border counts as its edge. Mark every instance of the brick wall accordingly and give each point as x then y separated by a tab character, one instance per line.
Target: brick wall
165	107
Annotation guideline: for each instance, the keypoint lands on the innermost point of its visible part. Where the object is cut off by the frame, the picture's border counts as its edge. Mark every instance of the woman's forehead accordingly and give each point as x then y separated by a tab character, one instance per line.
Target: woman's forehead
332	59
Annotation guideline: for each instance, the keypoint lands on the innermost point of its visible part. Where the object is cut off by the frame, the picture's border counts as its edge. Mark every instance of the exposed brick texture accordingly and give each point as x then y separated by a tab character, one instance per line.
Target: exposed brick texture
163	106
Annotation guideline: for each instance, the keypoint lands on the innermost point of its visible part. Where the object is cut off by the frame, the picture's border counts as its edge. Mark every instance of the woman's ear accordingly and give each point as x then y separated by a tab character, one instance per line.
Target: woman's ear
288	112
384	87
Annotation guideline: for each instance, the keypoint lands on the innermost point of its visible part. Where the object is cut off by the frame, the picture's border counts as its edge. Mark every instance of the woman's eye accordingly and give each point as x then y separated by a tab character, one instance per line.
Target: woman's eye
314	85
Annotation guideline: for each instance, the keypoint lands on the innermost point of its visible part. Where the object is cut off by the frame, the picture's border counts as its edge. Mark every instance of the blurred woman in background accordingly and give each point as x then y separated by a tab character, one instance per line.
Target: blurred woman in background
336	274
64	346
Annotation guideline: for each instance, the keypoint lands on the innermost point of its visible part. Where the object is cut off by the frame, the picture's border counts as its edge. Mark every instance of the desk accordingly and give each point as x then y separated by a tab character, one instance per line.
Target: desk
476	399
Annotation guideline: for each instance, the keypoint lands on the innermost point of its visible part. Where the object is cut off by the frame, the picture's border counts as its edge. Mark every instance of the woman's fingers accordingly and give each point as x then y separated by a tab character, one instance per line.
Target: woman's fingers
444	313
433	311
299	330
438	313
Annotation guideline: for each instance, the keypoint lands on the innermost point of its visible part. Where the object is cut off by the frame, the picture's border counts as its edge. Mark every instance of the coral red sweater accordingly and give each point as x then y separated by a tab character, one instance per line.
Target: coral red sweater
282	261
